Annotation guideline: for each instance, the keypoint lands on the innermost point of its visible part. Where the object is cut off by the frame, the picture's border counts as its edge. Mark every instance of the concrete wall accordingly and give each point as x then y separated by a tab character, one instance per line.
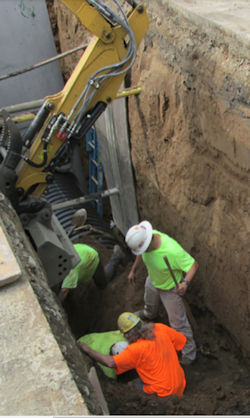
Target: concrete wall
26	39
42	371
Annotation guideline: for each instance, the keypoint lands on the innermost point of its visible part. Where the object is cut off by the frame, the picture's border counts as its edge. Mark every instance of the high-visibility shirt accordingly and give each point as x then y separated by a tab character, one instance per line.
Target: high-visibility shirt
102	342
85	269
156	361
178	258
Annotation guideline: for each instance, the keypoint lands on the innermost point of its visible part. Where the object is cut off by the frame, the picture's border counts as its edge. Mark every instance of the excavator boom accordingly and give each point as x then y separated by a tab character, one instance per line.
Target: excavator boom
31	162
93	85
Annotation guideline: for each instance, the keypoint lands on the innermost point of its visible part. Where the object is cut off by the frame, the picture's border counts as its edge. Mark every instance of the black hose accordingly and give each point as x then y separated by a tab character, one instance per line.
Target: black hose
36	125
11	140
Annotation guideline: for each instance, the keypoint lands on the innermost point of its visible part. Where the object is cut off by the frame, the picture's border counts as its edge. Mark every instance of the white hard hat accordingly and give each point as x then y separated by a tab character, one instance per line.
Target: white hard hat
139	237
118	348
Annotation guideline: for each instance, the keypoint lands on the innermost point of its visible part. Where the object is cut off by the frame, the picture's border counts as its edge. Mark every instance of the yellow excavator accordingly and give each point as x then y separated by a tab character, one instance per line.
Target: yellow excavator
29	162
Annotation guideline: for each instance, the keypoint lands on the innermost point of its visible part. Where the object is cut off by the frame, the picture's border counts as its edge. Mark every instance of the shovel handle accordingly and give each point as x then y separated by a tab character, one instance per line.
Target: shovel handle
187	307
171	271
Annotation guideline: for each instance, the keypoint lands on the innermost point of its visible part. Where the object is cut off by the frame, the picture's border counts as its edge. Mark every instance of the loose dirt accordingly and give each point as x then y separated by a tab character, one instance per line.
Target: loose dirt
218	383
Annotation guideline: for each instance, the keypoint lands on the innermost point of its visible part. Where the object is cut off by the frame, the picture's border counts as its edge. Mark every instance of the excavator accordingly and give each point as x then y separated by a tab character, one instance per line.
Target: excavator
28	161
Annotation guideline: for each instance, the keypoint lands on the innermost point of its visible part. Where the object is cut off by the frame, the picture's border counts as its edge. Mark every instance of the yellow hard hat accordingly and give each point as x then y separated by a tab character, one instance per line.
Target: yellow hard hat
127	321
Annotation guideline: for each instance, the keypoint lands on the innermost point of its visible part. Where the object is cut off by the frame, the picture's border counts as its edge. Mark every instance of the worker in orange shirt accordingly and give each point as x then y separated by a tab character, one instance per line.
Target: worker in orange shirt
152	352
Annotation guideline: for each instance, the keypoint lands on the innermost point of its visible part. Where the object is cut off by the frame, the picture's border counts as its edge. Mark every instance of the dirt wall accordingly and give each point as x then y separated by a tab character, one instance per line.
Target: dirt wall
189	131
191	155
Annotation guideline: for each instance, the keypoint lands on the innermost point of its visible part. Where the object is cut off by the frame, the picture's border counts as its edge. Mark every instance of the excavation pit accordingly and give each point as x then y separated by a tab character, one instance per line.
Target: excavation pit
218	383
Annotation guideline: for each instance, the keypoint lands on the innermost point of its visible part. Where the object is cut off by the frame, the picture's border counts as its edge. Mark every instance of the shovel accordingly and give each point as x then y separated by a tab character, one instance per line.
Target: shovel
190	316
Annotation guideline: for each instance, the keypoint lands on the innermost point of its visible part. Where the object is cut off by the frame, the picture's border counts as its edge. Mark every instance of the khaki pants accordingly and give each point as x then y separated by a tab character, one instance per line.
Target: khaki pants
176	311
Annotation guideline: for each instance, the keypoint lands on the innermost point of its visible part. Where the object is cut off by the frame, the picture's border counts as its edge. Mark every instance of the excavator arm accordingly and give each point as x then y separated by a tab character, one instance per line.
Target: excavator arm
65	117
93	85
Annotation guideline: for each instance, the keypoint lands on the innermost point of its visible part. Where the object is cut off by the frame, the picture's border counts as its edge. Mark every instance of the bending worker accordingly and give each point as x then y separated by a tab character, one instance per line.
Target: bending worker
151	352
150	246
90	265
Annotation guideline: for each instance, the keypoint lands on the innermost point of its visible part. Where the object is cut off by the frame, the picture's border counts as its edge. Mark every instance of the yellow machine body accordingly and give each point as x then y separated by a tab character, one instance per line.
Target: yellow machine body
107	47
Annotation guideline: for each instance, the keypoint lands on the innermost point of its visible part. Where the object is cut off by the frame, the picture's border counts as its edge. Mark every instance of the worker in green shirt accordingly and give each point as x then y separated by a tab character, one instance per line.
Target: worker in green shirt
90	265
150	246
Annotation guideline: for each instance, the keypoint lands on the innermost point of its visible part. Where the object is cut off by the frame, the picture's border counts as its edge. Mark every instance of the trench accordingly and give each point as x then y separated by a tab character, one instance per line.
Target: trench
218	383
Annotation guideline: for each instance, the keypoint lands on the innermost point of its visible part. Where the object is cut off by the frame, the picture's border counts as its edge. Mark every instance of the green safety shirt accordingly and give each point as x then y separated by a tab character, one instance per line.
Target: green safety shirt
84	270
102	342
178	258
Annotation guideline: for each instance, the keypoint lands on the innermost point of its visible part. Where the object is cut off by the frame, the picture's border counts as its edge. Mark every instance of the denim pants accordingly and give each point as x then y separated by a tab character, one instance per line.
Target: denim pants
176	311
104	274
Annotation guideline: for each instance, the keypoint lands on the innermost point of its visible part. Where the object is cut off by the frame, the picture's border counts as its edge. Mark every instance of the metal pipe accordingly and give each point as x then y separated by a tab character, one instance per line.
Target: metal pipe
40	64
128	92
38	103
23	106
23	118
84	199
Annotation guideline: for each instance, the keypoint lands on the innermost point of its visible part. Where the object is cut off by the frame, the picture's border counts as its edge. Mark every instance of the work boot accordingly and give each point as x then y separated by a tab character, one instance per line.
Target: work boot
79	218
186	361
142	315
119	254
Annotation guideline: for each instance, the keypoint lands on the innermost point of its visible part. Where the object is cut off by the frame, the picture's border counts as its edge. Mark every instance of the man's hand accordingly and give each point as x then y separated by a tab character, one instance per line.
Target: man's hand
181	290
131	277
137	262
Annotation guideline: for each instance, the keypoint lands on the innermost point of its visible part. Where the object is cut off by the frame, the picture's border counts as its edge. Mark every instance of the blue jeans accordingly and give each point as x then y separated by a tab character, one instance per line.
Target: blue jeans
138	383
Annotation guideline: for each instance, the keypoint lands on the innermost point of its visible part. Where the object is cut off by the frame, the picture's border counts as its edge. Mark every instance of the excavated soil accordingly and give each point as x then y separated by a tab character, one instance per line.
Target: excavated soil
218	383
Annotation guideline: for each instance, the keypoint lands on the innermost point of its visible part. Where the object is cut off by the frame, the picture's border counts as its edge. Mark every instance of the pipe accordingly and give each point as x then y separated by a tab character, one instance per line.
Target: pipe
85	199
128	92
24	106
38	103
40	64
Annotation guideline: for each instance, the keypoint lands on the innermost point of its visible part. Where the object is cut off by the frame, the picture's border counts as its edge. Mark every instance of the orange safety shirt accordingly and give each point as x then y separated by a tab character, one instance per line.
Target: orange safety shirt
156	361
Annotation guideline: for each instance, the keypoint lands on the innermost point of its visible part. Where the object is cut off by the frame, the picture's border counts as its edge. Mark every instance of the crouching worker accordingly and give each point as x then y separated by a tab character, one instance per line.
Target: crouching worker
151	352
90	267
110	342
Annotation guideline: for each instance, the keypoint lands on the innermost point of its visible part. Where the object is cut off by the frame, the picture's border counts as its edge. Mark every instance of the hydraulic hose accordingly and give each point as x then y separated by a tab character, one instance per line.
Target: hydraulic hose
10	139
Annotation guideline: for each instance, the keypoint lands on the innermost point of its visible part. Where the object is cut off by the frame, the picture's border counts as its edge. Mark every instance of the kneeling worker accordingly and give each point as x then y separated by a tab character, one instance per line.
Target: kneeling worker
151	352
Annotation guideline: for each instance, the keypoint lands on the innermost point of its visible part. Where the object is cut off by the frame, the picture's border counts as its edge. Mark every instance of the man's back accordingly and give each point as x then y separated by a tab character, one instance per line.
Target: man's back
156	361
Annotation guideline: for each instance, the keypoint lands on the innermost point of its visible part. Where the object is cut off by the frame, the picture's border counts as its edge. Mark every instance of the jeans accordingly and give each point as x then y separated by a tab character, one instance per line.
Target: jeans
104	274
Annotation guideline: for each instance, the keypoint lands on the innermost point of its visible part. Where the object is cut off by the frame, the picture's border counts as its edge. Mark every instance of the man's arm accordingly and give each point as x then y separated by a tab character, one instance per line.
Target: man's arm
187	279
131	275
177	338
104	359
190	274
